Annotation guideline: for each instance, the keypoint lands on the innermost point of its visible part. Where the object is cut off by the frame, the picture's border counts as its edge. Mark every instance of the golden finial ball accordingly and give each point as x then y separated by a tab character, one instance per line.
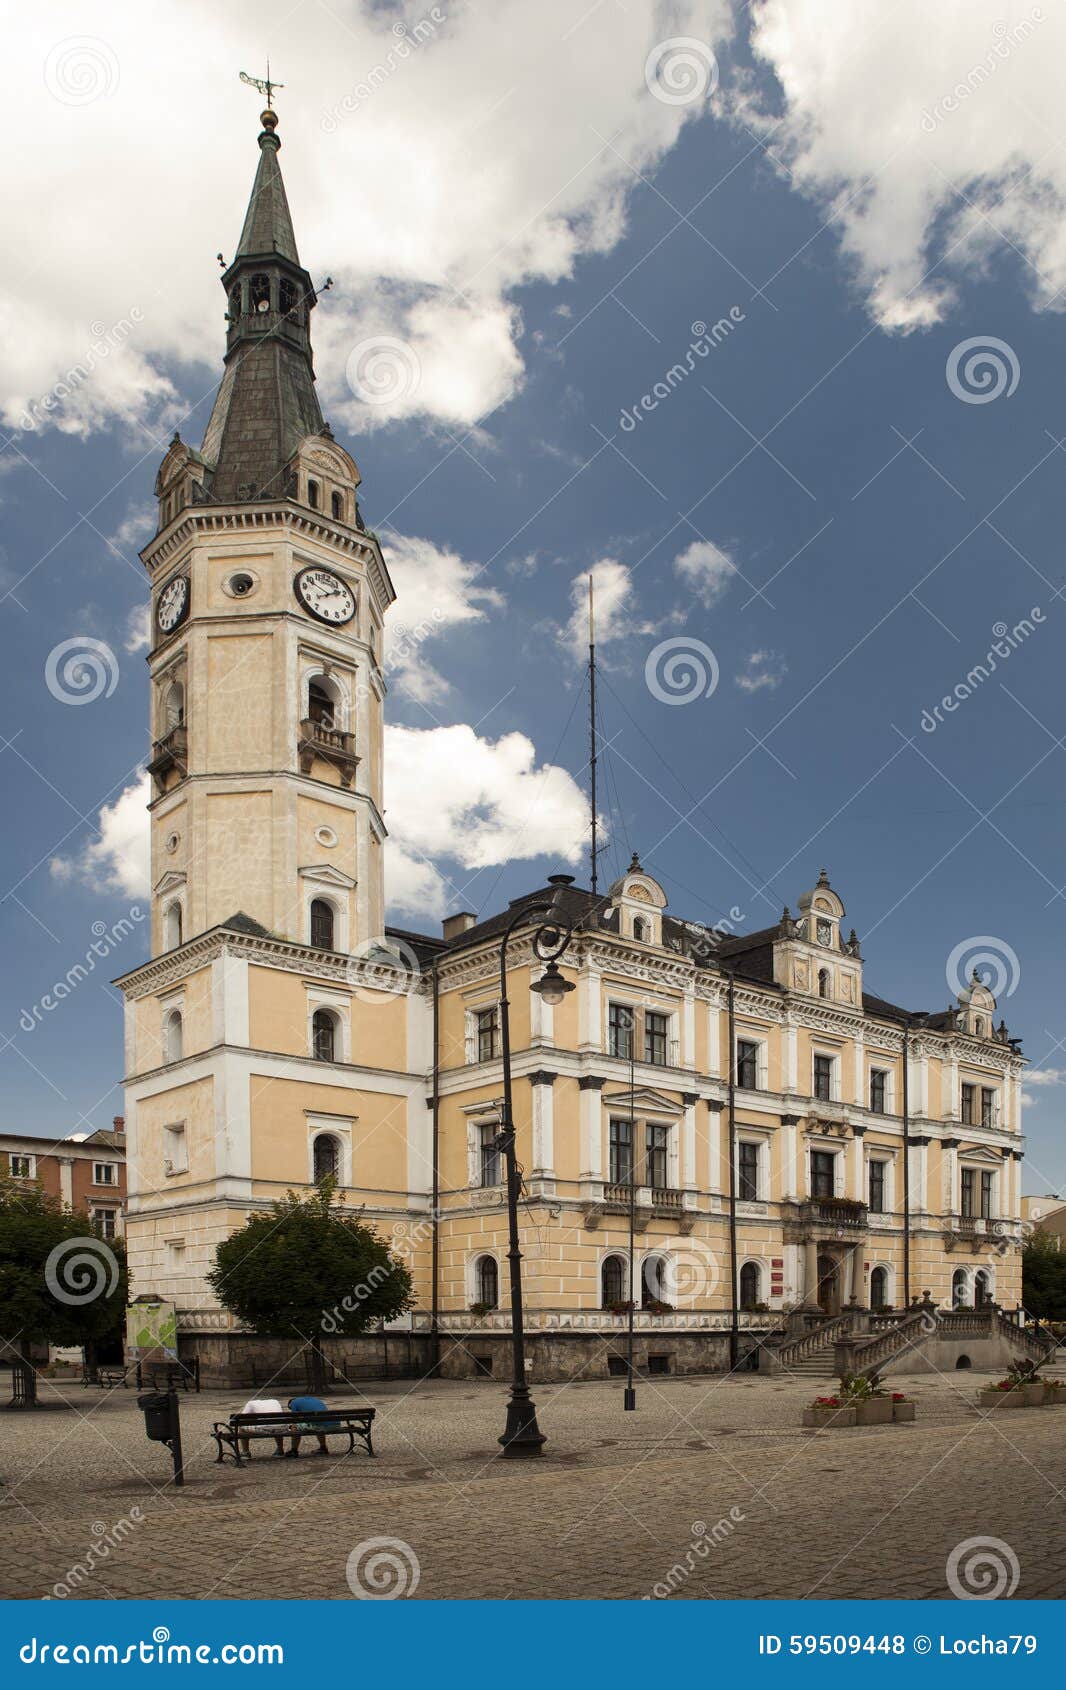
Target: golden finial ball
269	119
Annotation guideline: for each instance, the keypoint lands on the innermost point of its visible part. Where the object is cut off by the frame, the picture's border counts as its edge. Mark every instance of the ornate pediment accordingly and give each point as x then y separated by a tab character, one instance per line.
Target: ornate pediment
646	1100
327	876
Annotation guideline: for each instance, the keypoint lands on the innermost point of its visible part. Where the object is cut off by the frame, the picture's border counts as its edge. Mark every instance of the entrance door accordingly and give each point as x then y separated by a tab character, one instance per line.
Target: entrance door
828	1291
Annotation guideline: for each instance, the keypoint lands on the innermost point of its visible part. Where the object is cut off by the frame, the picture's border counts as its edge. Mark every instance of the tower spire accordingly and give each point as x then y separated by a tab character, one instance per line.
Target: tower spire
266	404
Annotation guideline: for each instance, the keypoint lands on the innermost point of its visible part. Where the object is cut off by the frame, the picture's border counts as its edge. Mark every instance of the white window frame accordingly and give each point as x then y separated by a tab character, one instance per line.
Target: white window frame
337	898
340	1005
470	1029
108	1184
890	1292
888	1162
21	1156
484	1117
322	1126
885	1068
172	904
833	1057
761	1140
97	1213
336	679
764	1278
762	1058
840	1166
471	1274
175	1135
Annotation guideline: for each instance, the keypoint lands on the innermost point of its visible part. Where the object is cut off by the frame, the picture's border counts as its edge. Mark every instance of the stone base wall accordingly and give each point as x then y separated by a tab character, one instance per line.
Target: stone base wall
244	1360
942	1355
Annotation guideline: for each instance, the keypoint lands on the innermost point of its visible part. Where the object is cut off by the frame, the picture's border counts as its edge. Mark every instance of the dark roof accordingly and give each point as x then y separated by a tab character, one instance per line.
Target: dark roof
268	221
241	923
571	901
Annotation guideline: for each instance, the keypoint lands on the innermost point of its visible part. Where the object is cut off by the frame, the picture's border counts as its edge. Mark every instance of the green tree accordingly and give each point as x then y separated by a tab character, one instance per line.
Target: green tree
1044	1277
60	1281
303	1269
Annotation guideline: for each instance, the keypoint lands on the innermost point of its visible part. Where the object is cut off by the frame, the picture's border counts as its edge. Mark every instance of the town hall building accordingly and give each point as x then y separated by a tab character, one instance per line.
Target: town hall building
733	1116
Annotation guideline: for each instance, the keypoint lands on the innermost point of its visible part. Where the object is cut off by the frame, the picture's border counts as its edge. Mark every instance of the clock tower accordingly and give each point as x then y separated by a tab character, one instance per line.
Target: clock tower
268	595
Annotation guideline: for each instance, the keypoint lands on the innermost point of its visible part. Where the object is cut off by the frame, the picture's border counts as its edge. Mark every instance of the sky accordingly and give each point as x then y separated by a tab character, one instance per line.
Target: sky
754	313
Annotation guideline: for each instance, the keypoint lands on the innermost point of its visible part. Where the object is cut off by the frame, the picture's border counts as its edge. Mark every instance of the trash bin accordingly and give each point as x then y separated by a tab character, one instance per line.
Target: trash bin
158	1407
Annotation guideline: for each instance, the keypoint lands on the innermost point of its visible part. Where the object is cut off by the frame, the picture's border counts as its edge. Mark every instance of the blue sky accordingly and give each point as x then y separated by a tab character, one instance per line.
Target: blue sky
855	531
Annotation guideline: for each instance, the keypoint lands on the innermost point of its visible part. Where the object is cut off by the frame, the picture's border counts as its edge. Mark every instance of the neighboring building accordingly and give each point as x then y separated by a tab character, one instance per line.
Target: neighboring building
85	1173
1046	1214
280	1032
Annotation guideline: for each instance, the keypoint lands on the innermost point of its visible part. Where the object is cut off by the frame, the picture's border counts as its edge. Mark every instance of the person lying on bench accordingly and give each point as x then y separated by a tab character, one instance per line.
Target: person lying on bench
262	1405
310	1405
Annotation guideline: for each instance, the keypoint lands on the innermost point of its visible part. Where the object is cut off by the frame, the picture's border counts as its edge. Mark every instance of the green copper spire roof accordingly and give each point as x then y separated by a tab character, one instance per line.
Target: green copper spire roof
267	402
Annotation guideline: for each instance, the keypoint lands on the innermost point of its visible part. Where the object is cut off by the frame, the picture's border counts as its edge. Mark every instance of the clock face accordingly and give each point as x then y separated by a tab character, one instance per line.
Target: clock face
325	595
824	931
172	604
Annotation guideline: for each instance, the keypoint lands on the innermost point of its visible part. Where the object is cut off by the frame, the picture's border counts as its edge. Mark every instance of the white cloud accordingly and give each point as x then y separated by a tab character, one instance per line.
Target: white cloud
118	860
436	590
616	611
927	135
705	568
1045	1076
475	166
763	671
139	628
450	795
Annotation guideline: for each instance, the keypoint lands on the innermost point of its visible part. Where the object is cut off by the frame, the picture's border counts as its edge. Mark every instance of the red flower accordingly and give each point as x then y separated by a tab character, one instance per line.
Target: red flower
898	1396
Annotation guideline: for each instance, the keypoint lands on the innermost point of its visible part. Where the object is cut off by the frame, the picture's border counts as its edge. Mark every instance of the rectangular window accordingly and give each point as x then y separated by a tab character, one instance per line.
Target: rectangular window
877	1188
823	1078
105	1173
878	1090
175	1255
488	1034
968	1105
658	1140
748	1171
823	1173
747	1064
620	1019
621	1153
988	1107
656	1031
490	1155
986	1194
104	1222
21	1166
968	1193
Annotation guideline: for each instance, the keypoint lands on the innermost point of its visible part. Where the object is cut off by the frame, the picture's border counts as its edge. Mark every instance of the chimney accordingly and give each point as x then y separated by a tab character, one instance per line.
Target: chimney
118	1124
453	925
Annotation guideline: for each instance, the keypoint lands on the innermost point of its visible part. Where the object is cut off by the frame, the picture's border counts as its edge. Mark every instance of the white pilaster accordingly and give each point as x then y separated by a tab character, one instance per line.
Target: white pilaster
543	1117
589	1017
688	1031
688	1147
714	1039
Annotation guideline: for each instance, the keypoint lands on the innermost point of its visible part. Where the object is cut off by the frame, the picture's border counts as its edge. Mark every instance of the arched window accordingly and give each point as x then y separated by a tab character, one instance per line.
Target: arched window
823	982
324	1035
612	1282
312	494
322	701
235	303
653	1282
287	297
959	1298
879	1288
174	706
321	924
336	504
487	1281
172	1037
749	1285
327	1158
982	1288
172	922
640	929
979	1026
259	293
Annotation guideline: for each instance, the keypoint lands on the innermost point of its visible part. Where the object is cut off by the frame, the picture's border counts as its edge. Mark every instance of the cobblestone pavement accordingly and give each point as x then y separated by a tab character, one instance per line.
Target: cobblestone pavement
710	1490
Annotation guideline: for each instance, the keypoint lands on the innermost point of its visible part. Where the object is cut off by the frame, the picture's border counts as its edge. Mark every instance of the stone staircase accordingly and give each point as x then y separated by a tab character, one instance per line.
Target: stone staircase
810	1354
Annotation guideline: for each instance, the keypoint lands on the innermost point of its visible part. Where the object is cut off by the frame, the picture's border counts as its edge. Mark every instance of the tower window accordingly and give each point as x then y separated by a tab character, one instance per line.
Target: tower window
321	705
259	293
173	926
327	1158
287	297
235	304
174	706
312	494
823	982
324	1035
173	1041
336	502
321	924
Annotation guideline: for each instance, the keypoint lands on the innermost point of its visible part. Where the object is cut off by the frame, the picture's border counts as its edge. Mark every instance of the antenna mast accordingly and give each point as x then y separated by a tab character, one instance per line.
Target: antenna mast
592	738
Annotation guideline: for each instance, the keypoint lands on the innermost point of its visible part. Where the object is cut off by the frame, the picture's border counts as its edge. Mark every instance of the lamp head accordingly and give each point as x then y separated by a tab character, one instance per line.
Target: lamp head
552	985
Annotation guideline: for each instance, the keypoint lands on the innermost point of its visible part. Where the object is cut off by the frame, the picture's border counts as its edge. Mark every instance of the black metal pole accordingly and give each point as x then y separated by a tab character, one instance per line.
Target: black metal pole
734	1317
175	1439
629	1399
522	1437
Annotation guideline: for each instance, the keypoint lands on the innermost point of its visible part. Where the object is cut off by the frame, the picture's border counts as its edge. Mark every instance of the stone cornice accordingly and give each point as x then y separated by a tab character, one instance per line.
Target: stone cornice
163	972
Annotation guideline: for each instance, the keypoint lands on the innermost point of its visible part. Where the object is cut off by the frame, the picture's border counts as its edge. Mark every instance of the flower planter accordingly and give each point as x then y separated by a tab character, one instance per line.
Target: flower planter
1054	1396
999	1399
874	1411
903	1410
826	1416
1033	1395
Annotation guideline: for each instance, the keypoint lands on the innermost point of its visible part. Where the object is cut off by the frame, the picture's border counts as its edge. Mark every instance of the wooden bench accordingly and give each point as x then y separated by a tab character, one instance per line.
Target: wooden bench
230	1434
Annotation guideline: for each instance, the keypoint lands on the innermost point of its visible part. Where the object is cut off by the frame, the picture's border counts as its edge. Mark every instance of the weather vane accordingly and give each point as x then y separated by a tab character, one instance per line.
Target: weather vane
265	87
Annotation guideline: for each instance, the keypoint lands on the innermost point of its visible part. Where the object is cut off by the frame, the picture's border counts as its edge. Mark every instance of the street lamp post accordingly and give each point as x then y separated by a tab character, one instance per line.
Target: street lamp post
522	1437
